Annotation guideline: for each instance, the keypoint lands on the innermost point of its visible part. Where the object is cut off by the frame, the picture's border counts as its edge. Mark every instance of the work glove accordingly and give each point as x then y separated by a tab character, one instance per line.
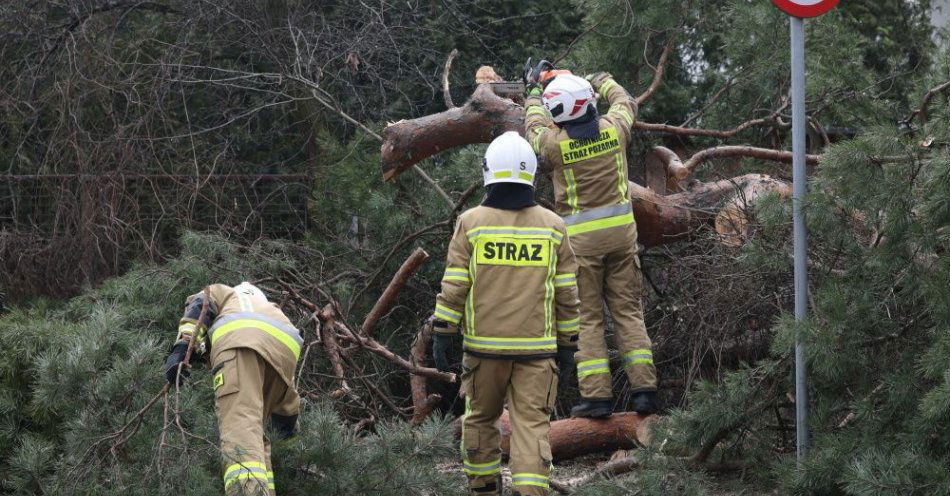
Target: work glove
597	79
442	344
175	357
565	363
533	89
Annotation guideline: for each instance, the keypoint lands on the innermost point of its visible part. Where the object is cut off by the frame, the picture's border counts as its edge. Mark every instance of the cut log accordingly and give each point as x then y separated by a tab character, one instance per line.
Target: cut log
732	222
575	437
665	219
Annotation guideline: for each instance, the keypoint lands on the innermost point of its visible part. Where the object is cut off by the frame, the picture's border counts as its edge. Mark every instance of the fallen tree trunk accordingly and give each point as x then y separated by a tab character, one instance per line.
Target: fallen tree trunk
660	219
665	219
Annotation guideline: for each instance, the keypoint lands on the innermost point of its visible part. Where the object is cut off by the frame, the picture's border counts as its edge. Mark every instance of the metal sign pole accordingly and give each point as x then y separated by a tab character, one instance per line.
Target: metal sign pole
799	234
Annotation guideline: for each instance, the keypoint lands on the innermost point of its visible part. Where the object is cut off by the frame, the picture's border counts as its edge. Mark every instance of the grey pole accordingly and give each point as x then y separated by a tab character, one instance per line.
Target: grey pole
798	223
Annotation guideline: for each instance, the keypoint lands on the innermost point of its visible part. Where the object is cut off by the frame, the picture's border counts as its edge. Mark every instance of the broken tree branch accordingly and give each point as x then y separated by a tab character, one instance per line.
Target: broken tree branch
376	347
446	94
674	166
385	302
422	401
327	318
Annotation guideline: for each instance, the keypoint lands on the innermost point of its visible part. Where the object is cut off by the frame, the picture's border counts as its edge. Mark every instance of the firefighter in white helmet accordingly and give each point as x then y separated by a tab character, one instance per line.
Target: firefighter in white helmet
510	283
586	154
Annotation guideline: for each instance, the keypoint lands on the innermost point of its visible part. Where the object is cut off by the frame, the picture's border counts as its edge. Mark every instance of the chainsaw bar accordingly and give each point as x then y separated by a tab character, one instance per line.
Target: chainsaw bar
508	89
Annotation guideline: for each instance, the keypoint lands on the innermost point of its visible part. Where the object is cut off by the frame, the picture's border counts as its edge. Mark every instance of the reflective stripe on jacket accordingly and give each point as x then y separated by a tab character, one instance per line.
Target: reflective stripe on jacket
510	282
589	175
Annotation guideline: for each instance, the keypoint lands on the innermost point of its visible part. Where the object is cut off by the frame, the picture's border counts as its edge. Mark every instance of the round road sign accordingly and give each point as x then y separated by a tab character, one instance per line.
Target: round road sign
805	8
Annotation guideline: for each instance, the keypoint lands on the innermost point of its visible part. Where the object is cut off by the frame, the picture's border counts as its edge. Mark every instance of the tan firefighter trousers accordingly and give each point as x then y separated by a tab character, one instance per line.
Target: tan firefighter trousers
613	278
247	391
530	387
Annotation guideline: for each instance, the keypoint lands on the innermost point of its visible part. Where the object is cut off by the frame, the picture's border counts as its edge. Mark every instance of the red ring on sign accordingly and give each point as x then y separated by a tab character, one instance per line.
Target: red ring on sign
792	8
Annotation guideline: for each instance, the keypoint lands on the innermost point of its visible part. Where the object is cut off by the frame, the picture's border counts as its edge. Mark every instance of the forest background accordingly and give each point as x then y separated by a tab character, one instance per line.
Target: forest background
151	147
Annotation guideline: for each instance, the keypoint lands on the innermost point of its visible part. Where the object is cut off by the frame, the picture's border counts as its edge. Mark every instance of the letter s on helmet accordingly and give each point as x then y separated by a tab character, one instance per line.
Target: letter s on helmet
509	159
568	97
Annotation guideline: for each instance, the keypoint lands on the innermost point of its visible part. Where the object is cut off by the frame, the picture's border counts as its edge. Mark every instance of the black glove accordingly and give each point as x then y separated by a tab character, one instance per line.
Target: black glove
175	357
565	363
285	425
441	344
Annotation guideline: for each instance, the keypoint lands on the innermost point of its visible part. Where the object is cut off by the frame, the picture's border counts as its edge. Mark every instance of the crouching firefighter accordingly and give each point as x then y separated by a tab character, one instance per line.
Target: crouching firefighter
586	154
510	278
254	349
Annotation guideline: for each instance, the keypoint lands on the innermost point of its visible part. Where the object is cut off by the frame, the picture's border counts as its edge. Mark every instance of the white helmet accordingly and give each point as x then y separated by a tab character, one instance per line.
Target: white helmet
567	97
509	159
250	290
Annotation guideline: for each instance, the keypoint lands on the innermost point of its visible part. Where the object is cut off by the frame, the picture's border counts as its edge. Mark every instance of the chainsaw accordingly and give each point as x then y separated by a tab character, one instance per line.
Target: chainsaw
542	72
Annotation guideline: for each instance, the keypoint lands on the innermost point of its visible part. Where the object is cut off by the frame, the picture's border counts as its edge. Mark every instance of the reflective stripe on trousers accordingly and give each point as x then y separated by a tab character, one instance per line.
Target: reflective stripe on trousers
246	470
593	367
594	219
283	332
529	480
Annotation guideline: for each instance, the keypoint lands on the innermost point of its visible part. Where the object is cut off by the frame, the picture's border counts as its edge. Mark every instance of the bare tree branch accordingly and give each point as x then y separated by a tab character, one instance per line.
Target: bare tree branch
922	109
744	151
385	302
657	73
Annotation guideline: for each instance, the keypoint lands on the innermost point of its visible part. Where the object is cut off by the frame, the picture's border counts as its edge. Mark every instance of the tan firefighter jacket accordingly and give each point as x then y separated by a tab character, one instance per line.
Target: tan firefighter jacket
510	277
589	175
241	319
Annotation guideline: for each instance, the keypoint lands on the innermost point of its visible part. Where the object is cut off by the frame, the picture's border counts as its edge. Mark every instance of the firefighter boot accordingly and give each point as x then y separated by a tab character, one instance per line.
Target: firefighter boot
592	409
645	402
490	488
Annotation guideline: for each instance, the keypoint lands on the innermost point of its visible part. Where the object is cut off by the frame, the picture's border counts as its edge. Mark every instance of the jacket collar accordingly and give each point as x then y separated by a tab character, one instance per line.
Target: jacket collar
509	196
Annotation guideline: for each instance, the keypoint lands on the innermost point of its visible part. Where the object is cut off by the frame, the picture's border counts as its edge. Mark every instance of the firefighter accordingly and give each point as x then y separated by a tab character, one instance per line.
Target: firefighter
510	281
586	154
254	350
